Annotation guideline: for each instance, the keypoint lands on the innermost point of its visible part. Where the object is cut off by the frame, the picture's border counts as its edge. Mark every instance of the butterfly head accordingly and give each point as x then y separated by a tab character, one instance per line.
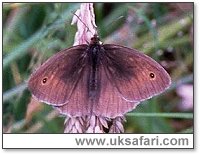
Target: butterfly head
95	39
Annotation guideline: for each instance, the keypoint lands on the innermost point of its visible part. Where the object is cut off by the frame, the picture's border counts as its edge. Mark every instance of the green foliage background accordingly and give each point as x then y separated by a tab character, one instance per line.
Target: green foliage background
32	32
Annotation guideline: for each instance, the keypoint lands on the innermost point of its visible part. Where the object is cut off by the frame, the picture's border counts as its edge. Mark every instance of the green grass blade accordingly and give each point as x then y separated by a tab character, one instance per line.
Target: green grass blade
166	115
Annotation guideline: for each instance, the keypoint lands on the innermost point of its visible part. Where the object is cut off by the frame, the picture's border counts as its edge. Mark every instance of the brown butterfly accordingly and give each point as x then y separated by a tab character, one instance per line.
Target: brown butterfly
101	79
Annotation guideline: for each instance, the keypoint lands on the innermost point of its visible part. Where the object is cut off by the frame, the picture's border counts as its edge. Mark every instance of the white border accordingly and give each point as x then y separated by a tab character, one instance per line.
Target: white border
109	141
197	74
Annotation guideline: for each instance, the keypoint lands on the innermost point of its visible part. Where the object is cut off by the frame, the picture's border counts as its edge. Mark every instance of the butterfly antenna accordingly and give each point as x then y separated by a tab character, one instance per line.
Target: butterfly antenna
83	23
120	17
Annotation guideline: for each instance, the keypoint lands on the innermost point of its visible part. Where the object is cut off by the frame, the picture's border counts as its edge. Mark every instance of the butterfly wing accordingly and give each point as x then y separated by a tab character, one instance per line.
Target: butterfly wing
136	76
55	81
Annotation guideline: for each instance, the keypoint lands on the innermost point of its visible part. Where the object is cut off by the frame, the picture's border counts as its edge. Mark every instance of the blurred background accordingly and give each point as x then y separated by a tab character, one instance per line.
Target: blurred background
32	32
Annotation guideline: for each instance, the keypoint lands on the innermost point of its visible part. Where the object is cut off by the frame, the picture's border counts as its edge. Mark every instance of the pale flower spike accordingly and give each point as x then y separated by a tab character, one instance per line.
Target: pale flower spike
86	26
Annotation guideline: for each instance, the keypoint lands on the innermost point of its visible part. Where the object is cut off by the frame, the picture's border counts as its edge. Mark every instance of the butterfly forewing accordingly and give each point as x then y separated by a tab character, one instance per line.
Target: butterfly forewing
135	75
55	81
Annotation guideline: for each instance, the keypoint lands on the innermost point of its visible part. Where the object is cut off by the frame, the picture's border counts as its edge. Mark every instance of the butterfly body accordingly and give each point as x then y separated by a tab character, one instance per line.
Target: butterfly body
101	79
93	54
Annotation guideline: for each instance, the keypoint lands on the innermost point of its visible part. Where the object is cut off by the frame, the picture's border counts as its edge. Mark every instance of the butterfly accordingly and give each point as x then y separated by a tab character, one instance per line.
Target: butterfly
98	79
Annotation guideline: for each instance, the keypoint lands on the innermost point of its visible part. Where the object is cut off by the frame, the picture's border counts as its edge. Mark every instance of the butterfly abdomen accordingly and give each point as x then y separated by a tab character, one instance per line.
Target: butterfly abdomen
94	77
